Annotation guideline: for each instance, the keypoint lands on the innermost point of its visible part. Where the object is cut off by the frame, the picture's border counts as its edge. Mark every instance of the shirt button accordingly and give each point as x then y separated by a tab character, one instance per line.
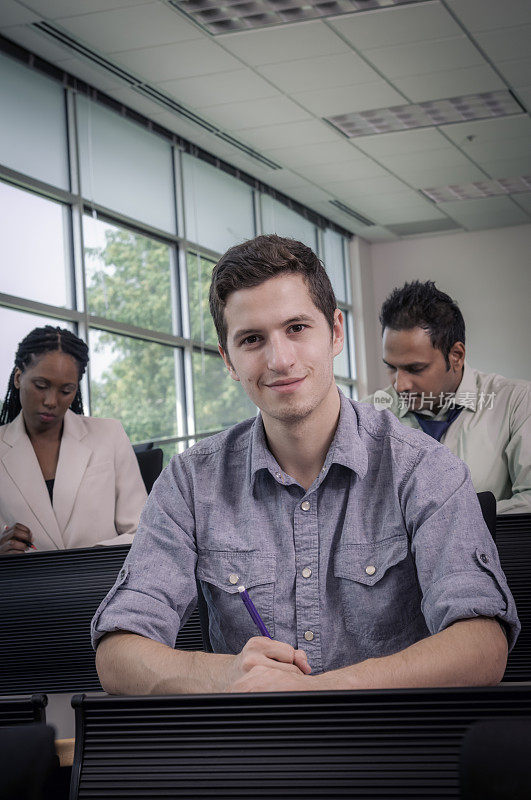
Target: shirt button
484	558
308	636
306	572
370	570
122	573
305	506
233	578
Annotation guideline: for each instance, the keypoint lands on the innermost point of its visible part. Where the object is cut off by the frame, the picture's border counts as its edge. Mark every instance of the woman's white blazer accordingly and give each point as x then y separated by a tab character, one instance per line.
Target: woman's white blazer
98	491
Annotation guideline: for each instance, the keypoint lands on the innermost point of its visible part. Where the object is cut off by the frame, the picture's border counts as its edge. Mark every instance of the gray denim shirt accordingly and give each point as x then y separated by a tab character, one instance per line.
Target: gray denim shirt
387	546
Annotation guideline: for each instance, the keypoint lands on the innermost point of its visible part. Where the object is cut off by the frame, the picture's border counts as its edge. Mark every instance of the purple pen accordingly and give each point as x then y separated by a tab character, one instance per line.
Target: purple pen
255	616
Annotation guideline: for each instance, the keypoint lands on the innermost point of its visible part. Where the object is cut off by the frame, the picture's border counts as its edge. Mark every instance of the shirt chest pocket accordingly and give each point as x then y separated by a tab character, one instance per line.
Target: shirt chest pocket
378	588
221	573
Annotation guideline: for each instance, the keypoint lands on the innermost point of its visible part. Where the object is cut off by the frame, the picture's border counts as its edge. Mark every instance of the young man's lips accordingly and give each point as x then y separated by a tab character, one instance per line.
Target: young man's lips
285	387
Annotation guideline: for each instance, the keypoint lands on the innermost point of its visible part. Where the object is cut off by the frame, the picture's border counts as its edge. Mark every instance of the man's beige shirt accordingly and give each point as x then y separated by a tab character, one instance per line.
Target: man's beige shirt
492	434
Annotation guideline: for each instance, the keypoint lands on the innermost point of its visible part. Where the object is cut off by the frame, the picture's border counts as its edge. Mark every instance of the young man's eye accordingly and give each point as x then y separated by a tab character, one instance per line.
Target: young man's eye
250	339
298	327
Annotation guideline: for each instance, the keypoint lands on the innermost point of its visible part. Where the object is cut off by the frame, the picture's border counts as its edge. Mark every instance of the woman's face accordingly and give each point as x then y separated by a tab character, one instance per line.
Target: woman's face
47	387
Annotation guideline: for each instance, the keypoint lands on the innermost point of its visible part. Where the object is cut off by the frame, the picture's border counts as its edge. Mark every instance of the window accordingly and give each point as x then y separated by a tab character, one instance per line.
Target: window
129	277
134	381
138	286
276	218
35	246
124	167
33	124
218	208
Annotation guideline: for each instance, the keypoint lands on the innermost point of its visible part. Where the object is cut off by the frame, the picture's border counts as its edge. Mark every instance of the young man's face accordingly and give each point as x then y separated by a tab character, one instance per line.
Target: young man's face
416	367
279	345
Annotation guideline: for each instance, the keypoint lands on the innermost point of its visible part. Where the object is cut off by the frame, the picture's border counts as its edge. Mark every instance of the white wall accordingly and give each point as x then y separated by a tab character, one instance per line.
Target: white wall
487	272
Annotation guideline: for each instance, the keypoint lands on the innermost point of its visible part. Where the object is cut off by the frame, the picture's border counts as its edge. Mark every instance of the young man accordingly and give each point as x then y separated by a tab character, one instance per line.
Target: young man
355	537
484	419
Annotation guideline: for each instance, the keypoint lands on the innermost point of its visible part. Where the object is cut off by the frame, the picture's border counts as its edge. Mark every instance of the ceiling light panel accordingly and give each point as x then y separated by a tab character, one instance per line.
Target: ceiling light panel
479	189
226	16
423	115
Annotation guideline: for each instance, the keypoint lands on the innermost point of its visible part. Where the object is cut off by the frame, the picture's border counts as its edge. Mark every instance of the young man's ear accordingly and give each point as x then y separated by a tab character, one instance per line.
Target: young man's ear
456	356
228	364
338	332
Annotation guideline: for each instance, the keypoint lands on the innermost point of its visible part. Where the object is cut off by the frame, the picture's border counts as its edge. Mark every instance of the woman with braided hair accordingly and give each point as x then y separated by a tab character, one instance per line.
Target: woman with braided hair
66	480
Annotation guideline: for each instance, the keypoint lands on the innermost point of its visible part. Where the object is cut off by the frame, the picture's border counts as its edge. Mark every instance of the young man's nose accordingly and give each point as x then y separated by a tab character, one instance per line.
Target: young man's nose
280	356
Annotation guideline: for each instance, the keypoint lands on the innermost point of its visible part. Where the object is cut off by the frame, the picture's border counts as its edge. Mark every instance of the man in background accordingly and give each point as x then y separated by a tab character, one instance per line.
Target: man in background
485	419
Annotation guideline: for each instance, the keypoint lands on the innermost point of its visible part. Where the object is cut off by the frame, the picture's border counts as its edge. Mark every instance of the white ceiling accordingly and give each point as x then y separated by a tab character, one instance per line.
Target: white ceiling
270	89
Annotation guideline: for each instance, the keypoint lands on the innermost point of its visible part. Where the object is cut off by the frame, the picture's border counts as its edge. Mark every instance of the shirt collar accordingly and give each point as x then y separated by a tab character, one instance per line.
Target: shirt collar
346	447
466	392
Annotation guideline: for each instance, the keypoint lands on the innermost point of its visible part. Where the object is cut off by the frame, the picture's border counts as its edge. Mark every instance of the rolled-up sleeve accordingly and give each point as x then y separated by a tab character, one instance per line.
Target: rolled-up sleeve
457	561
155	591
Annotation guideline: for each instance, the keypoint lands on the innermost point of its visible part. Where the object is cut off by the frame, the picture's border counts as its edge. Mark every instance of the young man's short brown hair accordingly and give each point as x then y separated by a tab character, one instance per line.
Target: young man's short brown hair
257	260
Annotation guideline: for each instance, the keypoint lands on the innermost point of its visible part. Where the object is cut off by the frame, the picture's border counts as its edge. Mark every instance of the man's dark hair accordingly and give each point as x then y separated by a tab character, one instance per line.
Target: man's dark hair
38	342
422	305
255	261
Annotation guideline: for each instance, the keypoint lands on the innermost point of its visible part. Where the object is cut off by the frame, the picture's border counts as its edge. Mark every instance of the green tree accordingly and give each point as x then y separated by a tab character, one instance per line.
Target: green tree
130	281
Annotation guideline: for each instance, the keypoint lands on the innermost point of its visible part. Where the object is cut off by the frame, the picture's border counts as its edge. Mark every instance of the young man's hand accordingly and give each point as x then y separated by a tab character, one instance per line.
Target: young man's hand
261	656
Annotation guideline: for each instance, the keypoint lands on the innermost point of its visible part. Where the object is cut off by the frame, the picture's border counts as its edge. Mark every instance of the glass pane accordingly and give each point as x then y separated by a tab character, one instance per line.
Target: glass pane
278	218
334	262
15	325
342	361
124	167
218	208
134	381
199	274
218	400
33	124
34	255
348	390
128	276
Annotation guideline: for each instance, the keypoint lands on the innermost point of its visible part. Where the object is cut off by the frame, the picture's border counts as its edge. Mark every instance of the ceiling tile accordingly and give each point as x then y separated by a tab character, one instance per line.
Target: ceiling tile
91	74
492	151
523	94
488	130
366	187
310	194
402	142
254	113
485	213
219	87
54	9
335	152
178	60
508	167
344	171
136	101
147	25
37	43
517	73
377	234
524	200
182	127
324	72
399	214
424	57
293	133
449	83
439	176
399	25
447	156
286	43
348	99
507	44
285	179
12	13
484	15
